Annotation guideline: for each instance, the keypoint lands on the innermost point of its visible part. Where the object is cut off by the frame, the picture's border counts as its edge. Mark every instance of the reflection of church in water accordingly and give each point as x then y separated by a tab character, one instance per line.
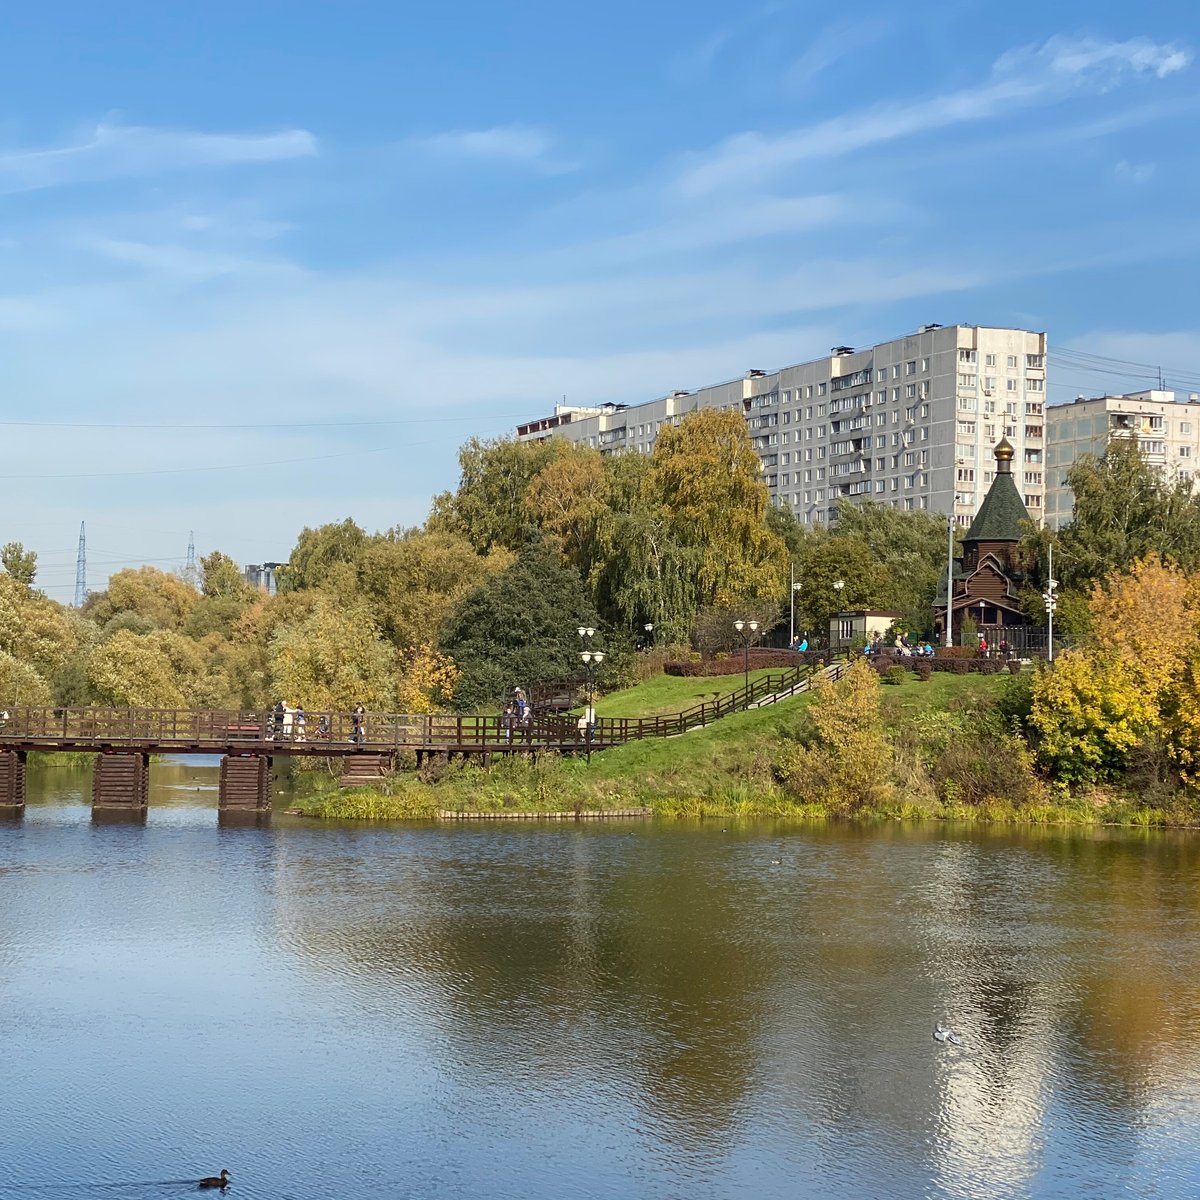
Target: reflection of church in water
988	576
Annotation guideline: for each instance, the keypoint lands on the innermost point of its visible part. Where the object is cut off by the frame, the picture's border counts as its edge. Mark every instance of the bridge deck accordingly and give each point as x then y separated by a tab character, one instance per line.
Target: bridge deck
184	731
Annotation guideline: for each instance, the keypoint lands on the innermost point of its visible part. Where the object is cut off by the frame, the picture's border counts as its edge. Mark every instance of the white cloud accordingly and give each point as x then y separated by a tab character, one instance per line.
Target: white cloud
1020	79
113	151
502	143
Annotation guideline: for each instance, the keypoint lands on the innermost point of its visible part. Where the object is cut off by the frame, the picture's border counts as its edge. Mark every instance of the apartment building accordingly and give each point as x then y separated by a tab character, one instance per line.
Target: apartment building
910	422
1165	426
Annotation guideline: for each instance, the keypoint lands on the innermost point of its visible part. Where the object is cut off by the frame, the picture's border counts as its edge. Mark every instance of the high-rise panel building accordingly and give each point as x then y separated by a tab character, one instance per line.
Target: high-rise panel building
1165	426
910	422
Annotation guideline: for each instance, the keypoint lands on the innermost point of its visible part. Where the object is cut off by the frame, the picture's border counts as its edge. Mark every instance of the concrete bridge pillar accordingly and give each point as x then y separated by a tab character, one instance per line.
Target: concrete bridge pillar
245	787
121	785
12	783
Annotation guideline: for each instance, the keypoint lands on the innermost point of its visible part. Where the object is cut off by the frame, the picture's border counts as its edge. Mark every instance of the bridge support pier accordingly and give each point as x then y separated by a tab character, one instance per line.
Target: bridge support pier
120	786
245	788
362	770
12	783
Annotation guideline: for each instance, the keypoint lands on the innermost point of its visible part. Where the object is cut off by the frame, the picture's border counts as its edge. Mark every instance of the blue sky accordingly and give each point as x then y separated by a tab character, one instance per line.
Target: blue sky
337	240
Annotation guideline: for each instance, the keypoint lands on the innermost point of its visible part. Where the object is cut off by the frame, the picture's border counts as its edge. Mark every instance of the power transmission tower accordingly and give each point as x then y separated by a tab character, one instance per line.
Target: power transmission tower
191	572
81	568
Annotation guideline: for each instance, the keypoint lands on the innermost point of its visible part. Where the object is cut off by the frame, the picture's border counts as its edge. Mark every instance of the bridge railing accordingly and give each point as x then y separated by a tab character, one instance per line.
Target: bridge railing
320	732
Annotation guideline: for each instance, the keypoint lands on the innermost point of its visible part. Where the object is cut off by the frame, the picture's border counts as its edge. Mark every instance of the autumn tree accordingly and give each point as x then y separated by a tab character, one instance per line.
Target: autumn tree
845	763
160	599
333	659
162	669
708	483
33	629
413	580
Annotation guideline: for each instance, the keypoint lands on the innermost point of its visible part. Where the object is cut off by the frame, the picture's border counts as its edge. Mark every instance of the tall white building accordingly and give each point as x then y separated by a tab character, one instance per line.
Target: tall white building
911	422
1166	428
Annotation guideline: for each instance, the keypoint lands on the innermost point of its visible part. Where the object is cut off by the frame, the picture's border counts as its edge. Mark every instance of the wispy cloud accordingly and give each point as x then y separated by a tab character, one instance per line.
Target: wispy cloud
1020	79
518	144
834	43
113	151
1134	172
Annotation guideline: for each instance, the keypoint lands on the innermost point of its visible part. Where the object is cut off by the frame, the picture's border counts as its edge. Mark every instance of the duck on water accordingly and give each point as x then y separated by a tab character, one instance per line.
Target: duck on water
215	1181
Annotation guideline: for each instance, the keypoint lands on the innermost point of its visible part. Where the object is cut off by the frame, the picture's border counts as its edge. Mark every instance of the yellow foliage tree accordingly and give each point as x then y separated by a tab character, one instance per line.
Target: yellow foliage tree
848	766
333	660
1150	617
33	629
161	599
427	681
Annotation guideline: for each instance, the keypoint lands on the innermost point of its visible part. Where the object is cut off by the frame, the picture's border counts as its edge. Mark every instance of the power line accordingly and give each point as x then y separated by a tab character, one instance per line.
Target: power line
254	466
276	426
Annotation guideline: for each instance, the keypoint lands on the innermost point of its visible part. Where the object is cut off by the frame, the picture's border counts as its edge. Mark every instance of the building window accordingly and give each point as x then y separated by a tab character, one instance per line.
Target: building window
967	356
967	403
910	392
1035	385
1185	452
967	381
1185	427
820	389
966	475
1035	361
989	383
910	368
989	360
1011	362
1013	385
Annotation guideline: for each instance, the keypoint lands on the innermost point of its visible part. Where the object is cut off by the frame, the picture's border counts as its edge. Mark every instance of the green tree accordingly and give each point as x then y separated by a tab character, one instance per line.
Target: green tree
488	508
1124	510
319	553
21	684
519	627
33	629
19	563
220	576
825	559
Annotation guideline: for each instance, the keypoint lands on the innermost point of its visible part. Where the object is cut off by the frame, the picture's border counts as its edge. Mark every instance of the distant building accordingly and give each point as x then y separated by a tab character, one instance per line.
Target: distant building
262	576
909	423
1165	427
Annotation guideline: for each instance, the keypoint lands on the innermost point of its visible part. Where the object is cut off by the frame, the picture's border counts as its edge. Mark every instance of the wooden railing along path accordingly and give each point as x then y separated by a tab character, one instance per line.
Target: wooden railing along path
342	734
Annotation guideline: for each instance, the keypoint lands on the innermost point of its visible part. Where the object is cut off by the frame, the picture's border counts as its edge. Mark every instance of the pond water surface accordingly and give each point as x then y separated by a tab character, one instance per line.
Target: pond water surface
624	1010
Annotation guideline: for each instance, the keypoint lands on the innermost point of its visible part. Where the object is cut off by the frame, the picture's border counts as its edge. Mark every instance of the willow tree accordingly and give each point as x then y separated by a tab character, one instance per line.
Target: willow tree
710	490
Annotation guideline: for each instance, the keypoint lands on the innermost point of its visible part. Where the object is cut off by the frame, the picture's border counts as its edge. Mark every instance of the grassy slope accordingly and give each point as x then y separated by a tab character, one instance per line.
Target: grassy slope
723	768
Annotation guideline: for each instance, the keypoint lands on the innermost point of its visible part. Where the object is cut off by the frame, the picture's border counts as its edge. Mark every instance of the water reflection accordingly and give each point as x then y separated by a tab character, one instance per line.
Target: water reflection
649	1010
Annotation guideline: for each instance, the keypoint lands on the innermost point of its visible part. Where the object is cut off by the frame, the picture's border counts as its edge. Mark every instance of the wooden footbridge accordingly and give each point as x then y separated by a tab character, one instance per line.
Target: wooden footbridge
123	739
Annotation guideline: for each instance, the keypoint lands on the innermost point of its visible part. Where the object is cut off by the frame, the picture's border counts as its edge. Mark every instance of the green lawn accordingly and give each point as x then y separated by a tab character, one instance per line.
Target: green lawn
670	694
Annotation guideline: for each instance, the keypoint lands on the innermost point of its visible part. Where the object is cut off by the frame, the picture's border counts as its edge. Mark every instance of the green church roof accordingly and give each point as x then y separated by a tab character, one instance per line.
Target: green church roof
1002	511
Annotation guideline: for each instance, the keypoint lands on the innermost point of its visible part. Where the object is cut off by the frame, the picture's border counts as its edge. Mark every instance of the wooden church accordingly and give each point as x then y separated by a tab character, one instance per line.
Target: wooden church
988	575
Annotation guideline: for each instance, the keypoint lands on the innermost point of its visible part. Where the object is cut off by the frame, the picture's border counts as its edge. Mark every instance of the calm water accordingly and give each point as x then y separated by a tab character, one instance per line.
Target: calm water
545	1012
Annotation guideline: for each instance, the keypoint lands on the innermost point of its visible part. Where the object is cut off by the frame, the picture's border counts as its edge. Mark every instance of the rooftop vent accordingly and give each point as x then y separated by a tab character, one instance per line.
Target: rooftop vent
677	394
929	328
755	373
1194	397
836	351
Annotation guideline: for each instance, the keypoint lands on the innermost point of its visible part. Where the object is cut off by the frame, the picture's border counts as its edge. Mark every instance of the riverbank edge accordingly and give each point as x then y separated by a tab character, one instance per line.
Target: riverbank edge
1108	811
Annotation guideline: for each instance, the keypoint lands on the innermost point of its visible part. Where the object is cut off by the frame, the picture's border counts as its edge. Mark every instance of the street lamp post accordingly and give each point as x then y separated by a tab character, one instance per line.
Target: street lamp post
750	627
838	584
1051	602
649	628
591	662
792	619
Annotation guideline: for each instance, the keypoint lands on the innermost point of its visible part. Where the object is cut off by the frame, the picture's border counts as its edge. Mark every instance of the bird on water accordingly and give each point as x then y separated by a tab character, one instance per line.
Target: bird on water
216	1181
942	1033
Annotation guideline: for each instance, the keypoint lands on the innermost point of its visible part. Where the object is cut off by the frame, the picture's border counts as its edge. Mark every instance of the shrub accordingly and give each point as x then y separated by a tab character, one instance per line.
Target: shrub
894	674
985	762
955	652
923	670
